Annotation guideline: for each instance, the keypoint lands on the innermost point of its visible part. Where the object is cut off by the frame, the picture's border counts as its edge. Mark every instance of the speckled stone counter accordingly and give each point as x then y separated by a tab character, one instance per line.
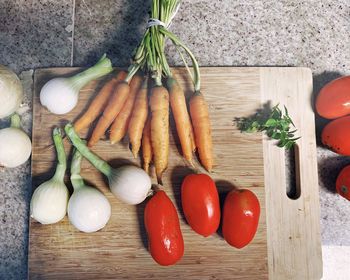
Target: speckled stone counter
44	33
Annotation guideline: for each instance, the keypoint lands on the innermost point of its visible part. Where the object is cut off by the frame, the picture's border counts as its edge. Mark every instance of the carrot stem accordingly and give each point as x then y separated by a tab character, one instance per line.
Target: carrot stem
177	41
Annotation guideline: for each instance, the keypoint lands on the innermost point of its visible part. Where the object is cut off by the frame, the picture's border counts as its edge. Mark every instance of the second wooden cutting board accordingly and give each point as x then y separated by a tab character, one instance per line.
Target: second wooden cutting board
287	244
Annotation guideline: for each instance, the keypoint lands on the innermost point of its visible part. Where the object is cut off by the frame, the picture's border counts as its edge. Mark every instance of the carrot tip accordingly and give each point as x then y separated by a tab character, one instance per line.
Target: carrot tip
134	151
190	161
146	167
209	169
159	180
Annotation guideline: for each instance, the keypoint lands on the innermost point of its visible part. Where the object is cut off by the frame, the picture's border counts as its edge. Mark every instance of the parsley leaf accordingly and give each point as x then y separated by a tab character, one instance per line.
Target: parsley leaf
275	123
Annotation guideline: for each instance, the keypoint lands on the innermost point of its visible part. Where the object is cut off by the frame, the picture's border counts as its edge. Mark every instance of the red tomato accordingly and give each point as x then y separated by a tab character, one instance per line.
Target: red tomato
336	135
200	203
333	101
343	182
240	217
163	229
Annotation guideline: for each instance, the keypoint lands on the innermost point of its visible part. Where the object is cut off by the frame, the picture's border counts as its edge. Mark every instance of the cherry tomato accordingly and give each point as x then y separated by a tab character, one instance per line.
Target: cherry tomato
200	203
162	224
336	135
240	217
333	101
343	182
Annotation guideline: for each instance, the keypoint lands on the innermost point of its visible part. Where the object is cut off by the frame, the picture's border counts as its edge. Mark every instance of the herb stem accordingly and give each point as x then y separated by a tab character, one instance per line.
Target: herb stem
276	124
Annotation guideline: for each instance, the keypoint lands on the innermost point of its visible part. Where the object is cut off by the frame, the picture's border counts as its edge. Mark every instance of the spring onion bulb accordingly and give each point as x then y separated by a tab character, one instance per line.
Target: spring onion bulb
11	92
128	183
88	209
15	145
49	201
60	95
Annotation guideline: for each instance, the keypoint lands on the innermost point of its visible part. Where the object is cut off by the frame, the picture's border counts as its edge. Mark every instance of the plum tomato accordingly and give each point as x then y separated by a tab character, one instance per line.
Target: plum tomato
343	182
336	135
162	224
200	203
240	217
333	101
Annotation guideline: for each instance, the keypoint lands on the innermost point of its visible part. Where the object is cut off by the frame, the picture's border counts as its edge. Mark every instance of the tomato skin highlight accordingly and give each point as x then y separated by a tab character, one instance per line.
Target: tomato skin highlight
240	217
162	224
200	203
333	101
336	135
343	182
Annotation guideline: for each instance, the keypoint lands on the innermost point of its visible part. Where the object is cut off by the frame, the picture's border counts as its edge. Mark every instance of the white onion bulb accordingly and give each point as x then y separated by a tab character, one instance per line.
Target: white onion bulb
15	145
49	202
130	184
60	95
11	92
88	209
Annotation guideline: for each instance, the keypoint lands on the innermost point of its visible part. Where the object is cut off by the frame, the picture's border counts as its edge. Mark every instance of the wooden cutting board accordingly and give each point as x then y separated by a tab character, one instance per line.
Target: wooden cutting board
287	244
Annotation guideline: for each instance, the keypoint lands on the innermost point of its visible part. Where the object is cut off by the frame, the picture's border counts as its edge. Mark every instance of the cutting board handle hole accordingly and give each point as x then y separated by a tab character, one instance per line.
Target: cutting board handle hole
293	172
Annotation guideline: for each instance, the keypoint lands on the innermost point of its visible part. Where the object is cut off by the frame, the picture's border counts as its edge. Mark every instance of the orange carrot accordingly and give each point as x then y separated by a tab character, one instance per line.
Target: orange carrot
159	105
146	145
121	122
114	106
202	130
138	118
182	118
98	103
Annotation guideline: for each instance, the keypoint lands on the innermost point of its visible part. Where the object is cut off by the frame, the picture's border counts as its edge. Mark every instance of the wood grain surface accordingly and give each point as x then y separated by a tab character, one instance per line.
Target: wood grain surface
293	224
119	251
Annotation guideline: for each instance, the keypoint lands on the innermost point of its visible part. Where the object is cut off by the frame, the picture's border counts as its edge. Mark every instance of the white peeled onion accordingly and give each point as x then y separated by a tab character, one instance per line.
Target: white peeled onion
15	145
128	183
11	92
60	95
49	201
88	209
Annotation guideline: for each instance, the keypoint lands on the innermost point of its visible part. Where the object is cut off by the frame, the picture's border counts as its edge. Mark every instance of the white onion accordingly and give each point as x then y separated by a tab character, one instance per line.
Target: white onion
11	92
15	145
60	95
88	209
49	201
129	183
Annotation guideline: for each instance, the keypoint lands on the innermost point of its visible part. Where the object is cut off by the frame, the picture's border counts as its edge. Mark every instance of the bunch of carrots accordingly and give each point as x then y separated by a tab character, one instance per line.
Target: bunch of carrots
136	102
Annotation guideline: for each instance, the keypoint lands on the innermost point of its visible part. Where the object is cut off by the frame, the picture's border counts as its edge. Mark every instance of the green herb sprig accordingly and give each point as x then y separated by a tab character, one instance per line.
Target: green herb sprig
276	124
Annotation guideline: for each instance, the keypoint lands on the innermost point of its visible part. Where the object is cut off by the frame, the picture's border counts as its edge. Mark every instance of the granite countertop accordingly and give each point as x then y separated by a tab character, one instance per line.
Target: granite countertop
46	33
